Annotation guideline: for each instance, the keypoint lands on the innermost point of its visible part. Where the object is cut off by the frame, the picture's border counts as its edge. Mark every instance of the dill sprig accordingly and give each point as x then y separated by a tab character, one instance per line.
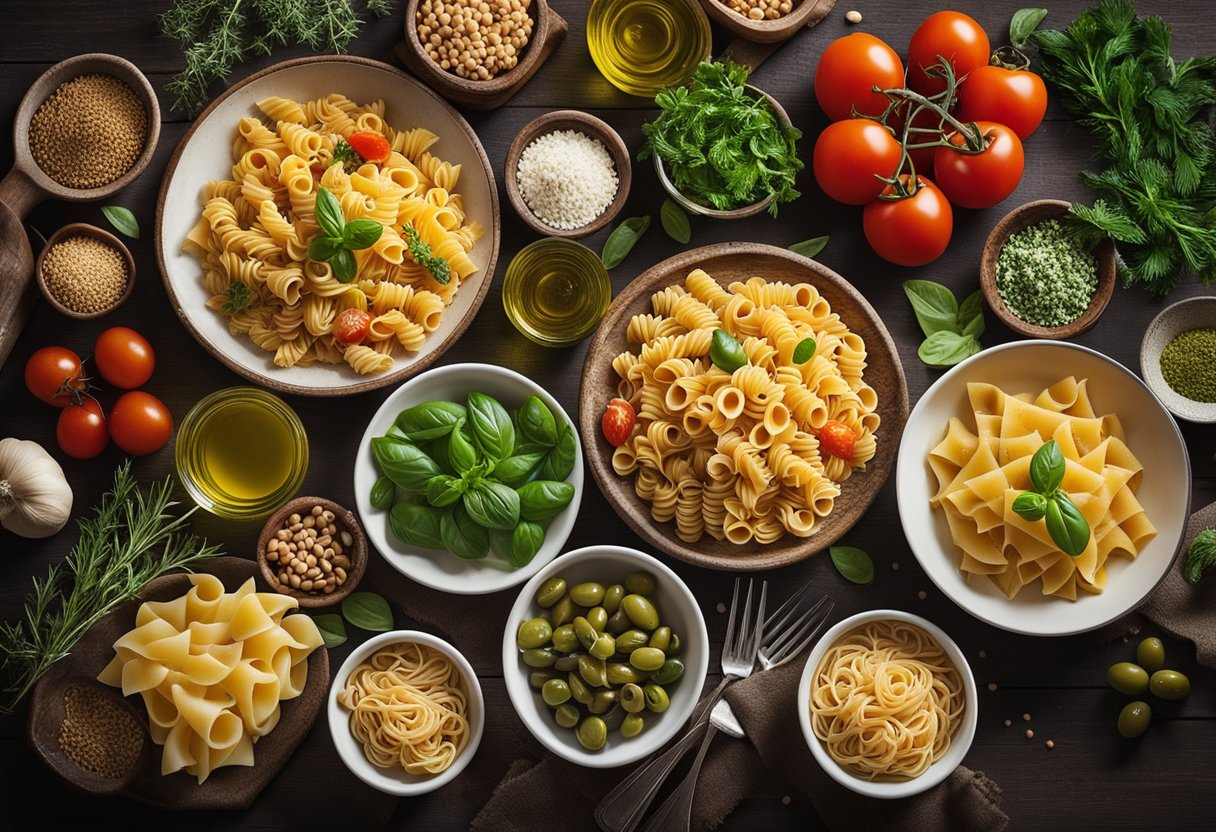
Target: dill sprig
130	539
219	34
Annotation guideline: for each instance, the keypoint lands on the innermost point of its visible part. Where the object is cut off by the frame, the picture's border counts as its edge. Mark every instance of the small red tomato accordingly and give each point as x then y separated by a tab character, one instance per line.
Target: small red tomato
54	375
124	357
848	71
1013	97
81	430
849	157
372	146
980	180
950	35
140	423
837	439
617	422
351	325
911	231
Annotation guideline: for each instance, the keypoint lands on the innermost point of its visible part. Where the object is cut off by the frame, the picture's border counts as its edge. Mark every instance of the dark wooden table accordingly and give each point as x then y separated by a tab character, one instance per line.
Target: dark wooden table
1092	779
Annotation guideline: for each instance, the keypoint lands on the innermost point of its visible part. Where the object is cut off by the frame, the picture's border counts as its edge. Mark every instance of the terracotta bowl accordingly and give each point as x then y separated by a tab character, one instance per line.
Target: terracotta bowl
1023	217
357	552
81	229
590	126
764	31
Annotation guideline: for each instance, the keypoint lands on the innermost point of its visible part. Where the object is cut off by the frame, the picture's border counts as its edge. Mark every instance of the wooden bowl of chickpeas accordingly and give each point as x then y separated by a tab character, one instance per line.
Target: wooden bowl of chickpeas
478	53
765	21
313	550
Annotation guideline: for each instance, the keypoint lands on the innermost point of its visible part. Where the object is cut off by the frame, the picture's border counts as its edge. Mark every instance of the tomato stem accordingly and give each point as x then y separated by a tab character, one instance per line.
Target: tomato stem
1009	57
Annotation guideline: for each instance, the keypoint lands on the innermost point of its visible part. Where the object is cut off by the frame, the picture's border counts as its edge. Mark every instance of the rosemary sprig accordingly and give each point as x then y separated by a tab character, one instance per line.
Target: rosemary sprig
130	539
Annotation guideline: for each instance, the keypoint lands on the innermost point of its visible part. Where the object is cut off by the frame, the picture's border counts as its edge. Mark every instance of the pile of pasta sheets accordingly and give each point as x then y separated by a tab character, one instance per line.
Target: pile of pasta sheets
212	668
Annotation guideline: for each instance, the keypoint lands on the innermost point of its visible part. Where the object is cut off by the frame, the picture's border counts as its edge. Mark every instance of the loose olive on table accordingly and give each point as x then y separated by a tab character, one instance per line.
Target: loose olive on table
1169	684
1150	654
1134	719
1128	678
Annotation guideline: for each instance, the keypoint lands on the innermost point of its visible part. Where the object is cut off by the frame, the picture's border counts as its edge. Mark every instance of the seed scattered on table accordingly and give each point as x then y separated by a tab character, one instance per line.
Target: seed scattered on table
895	565
853	16
721	607
90	131
992	686
1026	717
786	800
1029	734
1050	744
922	595
983	654
1008	723
85	274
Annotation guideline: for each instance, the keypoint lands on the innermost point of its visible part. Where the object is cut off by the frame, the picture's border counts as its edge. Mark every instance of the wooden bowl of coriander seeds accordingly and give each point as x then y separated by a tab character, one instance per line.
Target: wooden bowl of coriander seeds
1038	280
313	550
85	272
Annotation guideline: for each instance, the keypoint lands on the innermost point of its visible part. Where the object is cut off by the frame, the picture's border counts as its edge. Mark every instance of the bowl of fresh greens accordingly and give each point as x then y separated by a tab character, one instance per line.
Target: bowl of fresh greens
469	478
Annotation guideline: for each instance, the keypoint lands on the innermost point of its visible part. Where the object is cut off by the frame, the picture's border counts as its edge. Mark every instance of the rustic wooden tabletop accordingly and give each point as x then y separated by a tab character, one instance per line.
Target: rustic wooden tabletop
1091	779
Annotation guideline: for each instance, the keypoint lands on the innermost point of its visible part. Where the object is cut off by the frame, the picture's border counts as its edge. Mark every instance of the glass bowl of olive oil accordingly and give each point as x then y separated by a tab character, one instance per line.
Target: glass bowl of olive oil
643	46
555	291
241	453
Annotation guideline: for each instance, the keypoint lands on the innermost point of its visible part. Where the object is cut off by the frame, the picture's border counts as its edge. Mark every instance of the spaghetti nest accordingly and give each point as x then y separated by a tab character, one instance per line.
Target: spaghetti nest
886	701
408	708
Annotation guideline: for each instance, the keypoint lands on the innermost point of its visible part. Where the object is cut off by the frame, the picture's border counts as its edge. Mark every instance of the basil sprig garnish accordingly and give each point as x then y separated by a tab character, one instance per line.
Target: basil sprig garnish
1067	526
339	239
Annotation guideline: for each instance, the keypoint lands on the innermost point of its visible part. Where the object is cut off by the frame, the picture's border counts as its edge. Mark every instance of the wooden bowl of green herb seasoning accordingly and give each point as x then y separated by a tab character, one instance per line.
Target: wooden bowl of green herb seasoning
1178	359
1039	278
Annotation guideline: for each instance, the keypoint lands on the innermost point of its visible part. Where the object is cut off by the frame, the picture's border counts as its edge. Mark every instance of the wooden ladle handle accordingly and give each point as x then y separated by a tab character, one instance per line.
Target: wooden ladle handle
17	289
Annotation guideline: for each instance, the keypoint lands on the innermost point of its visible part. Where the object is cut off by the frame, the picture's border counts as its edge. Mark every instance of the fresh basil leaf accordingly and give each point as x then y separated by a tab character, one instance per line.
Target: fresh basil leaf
675	221
344	265
362	233
622	240
1047	468
515	470
809	248
500	542
461	536
444	490
493	505
122	219
406	465
945	349
321	249
462	453
1023	24
853	564
429	420
395	433
1030	505
383	493
416	525
934	304
725	352
331	628
536	423
526	541
559	462
492	430
805	350
542	500
368	611
1067	525
971	315
328	212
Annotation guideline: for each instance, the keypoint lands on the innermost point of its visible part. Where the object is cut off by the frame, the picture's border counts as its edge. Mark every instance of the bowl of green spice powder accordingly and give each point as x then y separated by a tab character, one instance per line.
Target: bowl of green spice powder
1178	358
1038	279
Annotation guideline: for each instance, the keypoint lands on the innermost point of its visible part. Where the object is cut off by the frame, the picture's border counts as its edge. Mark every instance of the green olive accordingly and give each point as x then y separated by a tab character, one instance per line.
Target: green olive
593	671
555	692
566	715
587	594
676	645
642	614
537	678
620	673
661	638
562	612
605	646
539	657
598	618
632	725
567	663
585	633
671	670
647	658
592	733
618	623
656	698
614	718
564	639
612	598
1134	719
534	632
640	583
1150	654
579	691
1169	684
602	702
551	591
1128	678
632	698
631	640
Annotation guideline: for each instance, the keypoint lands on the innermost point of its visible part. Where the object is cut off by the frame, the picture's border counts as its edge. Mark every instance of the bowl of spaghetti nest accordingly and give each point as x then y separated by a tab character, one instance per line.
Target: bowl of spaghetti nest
406	712
887	704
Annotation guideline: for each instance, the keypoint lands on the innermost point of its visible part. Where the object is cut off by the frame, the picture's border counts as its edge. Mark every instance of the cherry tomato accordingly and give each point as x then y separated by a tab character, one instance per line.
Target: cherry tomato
372	146
617	422
124	357
140	423
981	180
952	35
848	71
1013	97
54	375
81	430
850	155
351	325
837	439
911	231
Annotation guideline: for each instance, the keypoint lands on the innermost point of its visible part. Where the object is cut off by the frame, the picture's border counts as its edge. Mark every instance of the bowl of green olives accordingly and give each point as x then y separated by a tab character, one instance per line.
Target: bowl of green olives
604	655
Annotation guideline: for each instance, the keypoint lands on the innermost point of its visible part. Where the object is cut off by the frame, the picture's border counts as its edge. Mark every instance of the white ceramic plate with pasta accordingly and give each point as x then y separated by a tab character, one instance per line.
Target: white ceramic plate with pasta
1126	469
238	207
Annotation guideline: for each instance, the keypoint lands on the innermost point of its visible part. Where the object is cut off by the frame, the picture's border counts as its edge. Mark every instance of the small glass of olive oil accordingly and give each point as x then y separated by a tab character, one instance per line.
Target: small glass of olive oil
555	291
643	46
241	453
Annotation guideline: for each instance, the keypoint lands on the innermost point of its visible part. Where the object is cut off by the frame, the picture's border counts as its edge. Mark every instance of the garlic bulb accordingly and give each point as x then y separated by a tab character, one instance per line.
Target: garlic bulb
35	498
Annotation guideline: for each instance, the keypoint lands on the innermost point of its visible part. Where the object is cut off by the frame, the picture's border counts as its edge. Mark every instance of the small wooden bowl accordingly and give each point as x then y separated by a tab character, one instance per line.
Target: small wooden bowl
1023	217
766	31
1192	313
583	123
548	29
357	551
82	229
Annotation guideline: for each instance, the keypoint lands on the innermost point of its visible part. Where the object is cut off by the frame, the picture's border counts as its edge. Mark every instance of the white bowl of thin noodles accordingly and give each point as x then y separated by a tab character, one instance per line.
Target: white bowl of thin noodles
441	663
898	640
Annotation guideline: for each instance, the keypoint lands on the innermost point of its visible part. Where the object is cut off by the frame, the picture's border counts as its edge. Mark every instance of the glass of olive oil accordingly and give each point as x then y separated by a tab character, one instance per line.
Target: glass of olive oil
555	291
642	46
241	453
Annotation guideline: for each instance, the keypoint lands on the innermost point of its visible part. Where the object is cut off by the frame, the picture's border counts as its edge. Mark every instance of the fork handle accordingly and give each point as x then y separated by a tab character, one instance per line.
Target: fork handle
676	811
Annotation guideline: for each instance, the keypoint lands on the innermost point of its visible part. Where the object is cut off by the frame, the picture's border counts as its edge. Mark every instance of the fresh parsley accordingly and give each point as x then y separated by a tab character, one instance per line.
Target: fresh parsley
339	239
421	254
1200	556
239	297
346	156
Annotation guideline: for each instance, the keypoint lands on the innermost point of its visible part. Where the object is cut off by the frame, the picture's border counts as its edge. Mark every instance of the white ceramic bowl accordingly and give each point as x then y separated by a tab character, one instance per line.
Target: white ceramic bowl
396	781
959	744
678	609
1152	435
433	567
205	154
1193	313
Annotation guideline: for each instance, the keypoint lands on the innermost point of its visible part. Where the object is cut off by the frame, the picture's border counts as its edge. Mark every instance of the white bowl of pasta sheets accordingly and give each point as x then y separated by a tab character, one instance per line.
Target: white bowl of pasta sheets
237	213
965	456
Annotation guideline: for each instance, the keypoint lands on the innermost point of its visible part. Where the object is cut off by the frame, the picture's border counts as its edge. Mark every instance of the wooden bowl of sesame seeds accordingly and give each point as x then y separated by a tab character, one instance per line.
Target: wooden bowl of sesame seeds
85	272
313	550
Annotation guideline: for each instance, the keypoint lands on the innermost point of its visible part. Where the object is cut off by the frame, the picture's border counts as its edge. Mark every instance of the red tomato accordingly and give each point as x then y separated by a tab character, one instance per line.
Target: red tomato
81	430
351	325
911	231
53	375
981	180
617	422
849	70
952	35
1013	97
850	155
140	423
837	439
372	146
124	357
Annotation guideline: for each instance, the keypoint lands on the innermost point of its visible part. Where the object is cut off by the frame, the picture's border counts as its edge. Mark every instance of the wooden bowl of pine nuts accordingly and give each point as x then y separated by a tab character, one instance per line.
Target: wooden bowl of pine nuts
313	550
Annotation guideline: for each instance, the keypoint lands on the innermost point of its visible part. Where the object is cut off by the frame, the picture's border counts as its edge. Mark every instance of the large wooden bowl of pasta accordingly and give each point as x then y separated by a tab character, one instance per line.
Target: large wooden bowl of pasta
763	462
243	247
